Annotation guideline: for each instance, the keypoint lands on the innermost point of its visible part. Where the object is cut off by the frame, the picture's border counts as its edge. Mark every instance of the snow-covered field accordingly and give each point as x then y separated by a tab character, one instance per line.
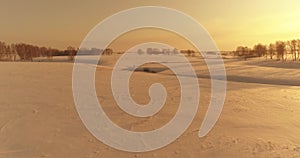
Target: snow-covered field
260	118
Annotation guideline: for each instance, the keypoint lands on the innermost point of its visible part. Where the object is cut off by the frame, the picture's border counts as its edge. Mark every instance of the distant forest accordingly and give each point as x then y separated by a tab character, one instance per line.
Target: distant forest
26	52
280	50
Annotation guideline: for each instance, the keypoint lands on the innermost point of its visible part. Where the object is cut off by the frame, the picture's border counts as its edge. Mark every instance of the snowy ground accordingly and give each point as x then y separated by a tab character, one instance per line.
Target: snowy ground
260	118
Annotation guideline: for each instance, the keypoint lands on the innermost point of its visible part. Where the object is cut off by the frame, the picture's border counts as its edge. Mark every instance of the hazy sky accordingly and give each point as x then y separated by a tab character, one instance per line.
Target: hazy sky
59	23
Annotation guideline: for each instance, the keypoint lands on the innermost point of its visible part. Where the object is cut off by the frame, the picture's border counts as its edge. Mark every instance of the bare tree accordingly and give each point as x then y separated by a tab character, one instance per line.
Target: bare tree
108	51
49	54
280	49
272	50
298	49
2	50
71	53
140	51
13	54
260	50
241	51
293	48
24	51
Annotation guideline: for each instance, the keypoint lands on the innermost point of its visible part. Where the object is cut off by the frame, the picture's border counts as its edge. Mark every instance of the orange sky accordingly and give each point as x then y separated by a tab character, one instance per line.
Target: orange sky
231	23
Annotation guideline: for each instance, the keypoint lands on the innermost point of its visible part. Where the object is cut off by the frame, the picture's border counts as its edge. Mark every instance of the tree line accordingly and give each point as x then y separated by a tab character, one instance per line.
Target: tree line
280	50
27	52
